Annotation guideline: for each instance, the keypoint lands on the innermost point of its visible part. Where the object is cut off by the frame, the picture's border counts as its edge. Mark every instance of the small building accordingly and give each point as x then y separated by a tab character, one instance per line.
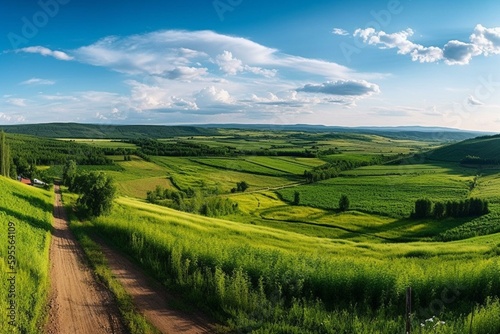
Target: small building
25	181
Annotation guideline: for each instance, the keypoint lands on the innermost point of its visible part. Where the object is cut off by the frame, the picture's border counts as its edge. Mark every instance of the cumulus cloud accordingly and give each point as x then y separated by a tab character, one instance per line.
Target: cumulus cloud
232	66
342	88
483	41
162	51
46	52
37	81
340	32
185	73
213	97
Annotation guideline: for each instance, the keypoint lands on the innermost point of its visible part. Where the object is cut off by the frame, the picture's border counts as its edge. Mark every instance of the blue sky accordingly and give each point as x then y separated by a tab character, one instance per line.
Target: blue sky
351	63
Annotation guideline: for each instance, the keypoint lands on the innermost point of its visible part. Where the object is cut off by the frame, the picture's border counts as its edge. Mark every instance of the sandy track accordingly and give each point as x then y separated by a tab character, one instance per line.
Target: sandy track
78	304
152	299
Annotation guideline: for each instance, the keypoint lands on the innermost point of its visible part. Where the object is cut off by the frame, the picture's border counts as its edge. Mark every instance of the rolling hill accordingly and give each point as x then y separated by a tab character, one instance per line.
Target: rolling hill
105	131
486	148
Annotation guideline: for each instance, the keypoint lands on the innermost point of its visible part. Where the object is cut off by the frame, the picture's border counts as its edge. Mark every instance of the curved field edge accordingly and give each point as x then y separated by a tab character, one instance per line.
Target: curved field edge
135	322
30	209
264	280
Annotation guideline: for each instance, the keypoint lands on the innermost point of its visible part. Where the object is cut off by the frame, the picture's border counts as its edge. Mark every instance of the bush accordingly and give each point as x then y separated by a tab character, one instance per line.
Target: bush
344	203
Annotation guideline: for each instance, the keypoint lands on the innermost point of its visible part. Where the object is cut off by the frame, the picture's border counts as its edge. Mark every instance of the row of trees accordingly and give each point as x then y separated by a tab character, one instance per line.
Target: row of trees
424	208
96	190
5	159
333	169
193	201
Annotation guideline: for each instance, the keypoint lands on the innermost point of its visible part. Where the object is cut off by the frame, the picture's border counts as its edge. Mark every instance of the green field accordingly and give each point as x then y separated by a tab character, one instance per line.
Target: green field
246	270
276	266
30	212
103	143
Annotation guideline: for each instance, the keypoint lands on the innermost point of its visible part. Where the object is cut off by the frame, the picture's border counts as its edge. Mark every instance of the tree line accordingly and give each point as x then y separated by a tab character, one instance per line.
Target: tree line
471	207
96	190
193	200
333	169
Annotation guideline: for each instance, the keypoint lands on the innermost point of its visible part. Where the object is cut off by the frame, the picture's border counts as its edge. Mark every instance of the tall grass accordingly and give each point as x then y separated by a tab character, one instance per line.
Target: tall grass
257	277
30	209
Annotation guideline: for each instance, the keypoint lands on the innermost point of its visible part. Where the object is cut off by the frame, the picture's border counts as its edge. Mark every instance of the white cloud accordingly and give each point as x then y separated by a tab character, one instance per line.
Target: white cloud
46	52
473	101
37	81
162	51
459	53
486	40
17	102
340	32
232	66
185	73
342	88
213	97
483	41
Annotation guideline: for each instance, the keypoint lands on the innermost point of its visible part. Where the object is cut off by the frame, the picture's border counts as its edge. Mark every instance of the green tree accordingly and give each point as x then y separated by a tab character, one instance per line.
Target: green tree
423	208
296	198
344	203
69	173
439	210
242	186
4	156
97	192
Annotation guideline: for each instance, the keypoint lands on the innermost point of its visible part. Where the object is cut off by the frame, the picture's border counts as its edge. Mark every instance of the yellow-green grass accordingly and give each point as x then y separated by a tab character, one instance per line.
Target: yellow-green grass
285	166
139	188
30	209
392	195
103	143
241	165
179	248
188	173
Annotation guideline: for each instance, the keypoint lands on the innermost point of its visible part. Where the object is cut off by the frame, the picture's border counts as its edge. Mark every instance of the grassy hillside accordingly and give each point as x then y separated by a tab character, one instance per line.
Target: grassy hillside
482	147
265	280
28	211
104	131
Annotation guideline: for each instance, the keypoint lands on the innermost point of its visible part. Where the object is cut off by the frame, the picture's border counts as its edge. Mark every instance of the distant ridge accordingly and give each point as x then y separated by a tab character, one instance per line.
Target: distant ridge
104	131
440	134
96	131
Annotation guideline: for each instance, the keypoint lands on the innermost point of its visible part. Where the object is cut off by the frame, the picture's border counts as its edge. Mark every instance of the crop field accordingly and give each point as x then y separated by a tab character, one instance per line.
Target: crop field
288	260
104	143
391	195
245	270
30	211
187	173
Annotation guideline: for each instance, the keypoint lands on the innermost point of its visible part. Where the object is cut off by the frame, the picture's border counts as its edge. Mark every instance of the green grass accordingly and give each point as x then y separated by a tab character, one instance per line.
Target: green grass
250	166
245	271
483	147
392	194
103	143
31	211
188	174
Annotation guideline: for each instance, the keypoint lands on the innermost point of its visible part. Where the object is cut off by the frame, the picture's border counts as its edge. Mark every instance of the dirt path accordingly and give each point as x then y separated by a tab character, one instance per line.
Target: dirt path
78	304
152	299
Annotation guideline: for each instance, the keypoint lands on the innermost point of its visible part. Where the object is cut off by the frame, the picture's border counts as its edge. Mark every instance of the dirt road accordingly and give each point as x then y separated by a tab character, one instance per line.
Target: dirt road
78	304
152	299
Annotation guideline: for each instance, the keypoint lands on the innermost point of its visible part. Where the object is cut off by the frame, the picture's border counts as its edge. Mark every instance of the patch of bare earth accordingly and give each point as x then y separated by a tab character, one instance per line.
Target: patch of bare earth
78	303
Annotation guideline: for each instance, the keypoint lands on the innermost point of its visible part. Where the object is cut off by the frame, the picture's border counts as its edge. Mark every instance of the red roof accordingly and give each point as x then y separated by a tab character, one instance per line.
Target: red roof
26	181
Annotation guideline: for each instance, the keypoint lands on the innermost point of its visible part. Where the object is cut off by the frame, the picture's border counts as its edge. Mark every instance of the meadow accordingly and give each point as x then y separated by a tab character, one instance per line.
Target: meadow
282	267
270	280
30	211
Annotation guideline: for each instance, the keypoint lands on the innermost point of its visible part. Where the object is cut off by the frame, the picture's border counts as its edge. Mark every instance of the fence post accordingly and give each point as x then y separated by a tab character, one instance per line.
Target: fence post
408	310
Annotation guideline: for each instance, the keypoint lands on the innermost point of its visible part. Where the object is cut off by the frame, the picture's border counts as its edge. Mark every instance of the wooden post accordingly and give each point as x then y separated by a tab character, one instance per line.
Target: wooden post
408	310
